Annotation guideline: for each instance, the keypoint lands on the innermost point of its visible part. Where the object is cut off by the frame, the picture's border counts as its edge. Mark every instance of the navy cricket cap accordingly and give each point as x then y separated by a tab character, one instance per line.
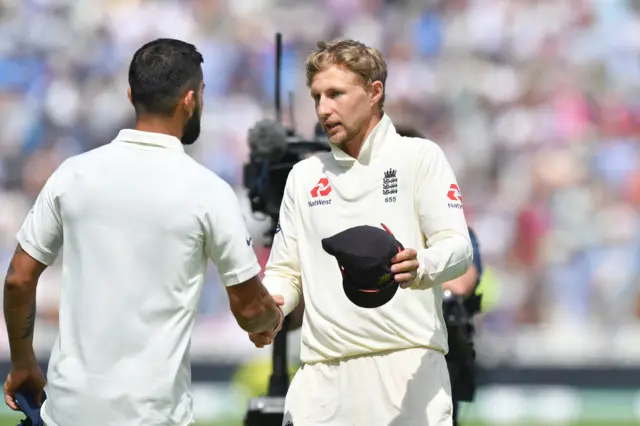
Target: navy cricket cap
364	256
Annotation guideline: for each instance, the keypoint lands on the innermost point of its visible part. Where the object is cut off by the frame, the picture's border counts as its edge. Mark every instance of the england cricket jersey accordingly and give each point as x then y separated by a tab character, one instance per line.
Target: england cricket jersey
404	183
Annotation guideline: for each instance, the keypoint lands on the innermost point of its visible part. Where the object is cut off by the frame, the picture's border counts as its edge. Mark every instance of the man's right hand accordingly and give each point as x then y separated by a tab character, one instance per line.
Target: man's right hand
29	379
263	339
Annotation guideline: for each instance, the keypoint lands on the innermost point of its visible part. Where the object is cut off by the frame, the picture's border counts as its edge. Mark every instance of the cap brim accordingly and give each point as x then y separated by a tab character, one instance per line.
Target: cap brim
368	298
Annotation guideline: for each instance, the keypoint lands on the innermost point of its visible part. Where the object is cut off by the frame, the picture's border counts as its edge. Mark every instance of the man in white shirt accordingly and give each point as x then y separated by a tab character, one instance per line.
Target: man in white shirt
139	219
381	365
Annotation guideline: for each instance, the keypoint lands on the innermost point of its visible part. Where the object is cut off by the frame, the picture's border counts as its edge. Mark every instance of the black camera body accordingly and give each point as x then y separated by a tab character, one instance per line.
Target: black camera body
265	178
265	411
458	315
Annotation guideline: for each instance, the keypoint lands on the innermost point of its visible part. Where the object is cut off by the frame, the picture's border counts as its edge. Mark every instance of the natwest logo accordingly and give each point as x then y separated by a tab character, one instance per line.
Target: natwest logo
454	195
322	189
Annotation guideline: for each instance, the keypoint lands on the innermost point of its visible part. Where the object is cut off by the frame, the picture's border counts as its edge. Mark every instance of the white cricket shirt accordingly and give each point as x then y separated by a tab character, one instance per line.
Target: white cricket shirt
405	183
137	221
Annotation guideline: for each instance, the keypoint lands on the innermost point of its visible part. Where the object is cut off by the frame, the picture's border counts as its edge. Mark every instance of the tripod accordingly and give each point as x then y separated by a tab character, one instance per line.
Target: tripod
269	410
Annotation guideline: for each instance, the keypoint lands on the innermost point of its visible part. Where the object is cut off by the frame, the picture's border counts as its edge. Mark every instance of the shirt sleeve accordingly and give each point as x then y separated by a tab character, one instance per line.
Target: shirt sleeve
282	272
439	203
41	233
227	240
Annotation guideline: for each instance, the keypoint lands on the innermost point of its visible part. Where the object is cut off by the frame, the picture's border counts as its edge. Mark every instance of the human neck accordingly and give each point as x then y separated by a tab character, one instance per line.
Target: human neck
157	124
354	146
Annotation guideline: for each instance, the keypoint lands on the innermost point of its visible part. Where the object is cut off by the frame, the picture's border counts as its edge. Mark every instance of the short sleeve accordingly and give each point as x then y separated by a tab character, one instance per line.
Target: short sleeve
227	240
41	233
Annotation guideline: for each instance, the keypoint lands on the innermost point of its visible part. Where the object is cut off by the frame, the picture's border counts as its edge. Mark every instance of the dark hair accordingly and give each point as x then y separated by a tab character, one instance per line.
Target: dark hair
408	132
161	72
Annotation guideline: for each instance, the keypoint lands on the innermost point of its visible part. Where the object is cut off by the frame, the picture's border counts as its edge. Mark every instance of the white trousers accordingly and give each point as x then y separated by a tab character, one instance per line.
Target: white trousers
408	387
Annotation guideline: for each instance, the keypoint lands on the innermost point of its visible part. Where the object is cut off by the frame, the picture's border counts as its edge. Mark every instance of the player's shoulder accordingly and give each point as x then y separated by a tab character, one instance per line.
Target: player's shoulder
309	166
77	163
312	163
416	145
423	151
200	176
309	170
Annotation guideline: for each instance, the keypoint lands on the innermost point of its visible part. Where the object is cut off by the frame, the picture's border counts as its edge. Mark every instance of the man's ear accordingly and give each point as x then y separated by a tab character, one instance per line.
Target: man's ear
377	90
129	95
189	102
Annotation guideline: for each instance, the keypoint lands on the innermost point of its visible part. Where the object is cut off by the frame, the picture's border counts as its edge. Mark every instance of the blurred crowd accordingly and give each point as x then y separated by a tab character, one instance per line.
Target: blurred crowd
535	102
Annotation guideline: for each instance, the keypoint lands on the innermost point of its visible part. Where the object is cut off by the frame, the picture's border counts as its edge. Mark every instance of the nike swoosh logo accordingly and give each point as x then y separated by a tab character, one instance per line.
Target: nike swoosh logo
249	241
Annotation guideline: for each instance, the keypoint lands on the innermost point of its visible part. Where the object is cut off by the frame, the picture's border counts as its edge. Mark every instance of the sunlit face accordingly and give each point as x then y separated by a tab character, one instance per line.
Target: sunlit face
343	105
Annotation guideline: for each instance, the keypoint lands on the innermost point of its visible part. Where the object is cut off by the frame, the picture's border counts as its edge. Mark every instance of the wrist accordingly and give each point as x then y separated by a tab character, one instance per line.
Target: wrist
23	361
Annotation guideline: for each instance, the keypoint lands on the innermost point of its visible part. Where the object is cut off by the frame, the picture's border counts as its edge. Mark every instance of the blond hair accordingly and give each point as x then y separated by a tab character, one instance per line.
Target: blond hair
364	61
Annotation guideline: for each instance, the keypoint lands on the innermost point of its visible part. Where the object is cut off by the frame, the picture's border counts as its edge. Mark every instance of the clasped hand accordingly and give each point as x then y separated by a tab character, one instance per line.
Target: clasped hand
266	338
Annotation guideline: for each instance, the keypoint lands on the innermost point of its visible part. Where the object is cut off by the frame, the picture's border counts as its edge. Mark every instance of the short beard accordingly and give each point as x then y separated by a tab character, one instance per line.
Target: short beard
191	131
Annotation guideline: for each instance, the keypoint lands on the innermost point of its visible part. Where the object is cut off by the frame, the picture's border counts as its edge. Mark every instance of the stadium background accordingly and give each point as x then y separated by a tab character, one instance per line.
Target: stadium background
535	102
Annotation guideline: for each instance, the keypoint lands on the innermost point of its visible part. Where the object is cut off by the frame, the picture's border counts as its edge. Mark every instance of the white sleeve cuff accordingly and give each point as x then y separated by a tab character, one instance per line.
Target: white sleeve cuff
46	258
243	275
446	260
281	286
421	281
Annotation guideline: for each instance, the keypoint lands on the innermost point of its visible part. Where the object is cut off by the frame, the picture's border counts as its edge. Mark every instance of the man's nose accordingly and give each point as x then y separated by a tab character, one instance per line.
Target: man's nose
323	109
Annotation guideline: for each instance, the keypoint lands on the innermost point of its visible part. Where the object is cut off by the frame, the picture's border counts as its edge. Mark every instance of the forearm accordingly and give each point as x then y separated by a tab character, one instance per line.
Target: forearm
20	317
446	259
287	287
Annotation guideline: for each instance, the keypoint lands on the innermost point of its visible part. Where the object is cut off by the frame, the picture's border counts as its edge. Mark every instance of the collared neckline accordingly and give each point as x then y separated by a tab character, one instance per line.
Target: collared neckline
372	144
160	140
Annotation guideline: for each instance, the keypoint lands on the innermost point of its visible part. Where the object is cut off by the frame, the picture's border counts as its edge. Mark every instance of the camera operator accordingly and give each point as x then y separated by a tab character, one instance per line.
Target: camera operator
460	305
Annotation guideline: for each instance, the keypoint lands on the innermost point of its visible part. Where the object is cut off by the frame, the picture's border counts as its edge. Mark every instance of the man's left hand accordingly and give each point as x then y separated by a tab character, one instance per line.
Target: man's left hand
405	267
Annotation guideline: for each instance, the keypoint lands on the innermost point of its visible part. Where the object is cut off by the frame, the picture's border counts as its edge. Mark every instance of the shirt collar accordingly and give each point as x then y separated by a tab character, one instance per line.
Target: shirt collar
159	140
372	144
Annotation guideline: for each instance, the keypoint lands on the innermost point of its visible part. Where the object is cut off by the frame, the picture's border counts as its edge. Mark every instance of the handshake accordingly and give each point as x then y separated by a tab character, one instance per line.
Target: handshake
266	338
404	267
